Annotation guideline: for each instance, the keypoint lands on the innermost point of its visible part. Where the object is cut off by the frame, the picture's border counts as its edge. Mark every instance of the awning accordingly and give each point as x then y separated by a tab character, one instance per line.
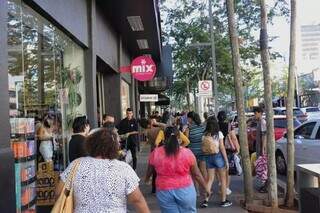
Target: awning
163	100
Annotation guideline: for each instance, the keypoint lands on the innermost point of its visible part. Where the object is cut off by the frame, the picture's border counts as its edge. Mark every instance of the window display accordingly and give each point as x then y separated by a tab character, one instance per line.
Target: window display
46	92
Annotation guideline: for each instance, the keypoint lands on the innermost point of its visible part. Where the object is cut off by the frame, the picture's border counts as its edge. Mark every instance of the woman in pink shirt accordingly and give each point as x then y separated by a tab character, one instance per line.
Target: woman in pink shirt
174	166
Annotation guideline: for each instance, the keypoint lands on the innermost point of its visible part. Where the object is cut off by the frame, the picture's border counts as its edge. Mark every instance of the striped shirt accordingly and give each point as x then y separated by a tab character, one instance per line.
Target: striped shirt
195	136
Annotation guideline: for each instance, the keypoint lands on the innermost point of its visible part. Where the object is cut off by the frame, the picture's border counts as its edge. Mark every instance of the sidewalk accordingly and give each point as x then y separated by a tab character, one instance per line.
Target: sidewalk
236	187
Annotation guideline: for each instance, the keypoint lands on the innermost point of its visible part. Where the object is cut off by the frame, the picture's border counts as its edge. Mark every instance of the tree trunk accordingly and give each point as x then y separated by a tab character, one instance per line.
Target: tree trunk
290	102
248	188
273	191
188	94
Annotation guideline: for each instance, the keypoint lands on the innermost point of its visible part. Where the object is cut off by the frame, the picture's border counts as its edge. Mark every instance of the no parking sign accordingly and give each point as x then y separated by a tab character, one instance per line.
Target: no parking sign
205	88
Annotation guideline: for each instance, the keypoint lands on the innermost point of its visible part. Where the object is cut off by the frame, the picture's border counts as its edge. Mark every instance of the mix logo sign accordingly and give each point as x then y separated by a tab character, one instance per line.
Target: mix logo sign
143	68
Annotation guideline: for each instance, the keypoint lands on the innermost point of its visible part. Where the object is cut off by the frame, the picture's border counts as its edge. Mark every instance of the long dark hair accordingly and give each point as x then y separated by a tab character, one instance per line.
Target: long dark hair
195	117
171	144
212	128
223	122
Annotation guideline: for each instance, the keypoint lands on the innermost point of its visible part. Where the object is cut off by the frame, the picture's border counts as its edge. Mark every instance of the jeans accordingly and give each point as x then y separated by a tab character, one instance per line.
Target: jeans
182	200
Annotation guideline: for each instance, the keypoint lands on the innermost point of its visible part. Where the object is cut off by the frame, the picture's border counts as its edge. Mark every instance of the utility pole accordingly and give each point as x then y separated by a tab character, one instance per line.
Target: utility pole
214	67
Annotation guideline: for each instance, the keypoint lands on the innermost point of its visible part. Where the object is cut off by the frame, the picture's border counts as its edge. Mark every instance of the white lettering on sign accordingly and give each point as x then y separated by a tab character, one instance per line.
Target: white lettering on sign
142	68
149	98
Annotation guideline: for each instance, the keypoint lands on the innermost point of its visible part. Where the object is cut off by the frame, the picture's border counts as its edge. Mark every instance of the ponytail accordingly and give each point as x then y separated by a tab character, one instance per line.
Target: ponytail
171	145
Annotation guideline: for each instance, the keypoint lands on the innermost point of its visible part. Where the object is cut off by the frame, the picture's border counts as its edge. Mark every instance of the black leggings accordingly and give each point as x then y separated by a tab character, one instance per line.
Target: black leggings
133	151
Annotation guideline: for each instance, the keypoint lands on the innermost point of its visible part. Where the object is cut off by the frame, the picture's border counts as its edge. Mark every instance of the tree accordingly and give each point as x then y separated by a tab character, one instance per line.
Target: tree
265	58
187	23
290	102
240	102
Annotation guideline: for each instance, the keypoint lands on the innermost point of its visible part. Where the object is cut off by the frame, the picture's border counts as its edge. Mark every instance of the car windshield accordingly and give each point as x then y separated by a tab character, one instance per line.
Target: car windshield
282	123
313	109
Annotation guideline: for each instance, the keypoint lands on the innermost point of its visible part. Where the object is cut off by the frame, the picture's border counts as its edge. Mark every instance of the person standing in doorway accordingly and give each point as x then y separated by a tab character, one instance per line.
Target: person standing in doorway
130	125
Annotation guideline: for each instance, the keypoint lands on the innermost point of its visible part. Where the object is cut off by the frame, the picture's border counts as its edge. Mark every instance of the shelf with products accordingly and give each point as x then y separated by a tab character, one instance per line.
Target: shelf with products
24	149
29	205
28	182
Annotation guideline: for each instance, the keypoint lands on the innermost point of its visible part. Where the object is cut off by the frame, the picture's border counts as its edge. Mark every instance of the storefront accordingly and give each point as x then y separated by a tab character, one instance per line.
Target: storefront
59	60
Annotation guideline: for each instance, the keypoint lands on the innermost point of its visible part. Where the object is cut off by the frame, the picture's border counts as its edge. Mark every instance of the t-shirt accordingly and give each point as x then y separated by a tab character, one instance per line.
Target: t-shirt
173	172
195	136
261	130
101	185
76	147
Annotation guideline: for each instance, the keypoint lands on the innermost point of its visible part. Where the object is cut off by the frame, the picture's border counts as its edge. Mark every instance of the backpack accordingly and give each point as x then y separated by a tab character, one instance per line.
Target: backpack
209	145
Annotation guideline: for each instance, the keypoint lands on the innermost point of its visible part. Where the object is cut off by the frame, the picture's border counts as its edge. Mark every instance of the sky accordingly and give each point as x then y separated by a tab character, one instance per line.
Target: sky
307	13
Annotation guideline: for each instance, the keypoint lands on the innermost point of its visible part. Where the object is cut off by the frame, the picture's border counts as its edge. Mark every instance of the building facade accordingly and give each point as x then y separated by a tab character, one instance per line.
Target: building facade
62	59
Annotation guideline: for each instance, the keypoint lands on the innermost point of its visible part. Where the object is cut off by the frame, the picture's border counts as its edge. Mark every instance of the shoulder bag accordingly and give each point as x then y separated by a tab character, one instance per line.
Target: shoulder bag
64	204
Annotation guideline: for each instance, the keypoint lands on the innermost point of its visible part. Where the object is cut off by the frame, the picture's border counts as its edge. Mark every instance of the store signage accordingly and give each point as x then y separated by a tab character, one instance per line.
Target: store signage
205	88
142	68
149	98
47	180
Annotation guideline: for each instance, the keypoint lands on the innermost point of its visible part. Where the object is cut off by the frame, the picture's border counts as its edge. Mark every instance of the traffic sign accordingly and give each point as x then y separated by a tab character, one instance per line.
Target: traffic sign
205	88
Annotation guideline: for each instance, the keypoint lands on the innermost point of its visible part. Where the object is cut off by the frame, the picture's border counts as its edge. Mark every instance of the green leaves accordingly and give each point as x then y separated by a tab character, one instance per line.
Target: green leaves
186	24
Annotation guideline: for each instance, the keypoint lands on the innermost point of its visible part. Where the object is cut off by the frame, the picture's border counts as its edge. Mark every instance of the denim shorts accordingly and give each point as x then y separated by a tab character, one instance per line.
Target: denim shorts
215	161
178	200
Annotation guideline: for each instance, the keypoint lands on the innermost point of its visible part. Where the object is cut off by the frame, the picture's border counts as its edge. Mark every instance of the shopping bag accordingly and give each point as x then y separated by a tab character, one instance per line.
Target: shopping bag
237	162
232	164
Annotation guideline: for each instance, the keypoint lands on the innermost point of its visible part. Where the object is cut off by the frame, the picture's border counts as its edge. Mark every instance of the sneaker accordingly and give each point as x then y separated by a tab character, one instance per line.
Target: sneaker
229	191
226	203
204	204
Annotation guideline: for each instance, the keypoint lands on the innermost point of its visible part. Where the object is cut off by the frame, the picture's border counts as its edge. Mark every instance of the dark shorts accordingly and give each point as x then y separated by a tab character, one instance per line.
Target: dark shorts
215	161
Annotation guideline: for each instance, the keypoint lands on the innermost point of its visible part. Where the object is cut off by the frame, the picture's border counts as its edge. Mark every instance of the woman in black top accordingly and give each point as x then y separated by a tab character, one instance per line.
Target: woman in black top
81	129
224	128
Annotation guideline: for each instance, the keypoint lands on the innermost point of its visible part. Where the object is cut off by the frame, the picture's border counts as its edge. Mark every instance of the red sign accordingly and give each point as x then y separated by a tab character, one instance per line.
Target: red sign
205	85
143	68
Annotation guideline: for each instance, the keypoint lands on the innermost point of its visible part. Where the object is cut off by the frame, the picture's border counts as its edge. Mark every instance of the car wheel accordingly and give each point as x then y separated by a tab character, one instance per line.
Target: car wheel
281	163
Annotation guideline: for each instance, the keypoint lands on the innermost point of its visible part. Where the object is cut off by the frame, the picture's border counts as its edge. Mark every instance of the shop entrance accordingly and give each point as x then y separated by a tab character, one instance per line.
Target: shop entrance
100	97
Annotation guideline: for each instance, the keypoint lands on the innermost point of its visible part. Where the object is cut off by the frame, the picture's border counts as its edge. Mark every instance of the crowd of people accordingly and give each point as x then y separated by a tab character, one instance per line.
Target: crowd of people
186	156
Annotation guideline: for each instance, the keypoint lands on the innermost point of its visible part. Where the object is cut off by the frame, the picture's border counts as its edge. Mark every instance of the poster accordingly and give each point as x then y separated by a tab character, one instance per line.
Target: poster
47	180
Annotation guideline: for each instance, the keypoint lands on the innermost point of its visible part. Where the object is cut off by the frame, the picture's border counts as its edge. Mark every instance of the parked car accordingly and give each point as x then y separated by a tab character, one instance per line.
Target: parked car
297	112
307	146
280	128
234	120
311	112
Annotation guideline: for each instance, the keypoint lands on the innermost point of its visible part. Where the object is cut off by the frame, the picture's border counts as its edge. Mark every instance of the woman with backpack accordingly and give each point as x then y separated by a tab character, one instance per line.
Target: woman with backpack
216	160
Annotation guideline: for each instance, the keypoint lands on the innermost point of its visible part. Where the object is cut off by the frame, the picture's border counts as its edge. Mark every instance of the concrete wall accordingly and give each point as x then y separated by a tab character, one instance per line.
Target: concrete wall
70	14
107	40
112	94
7	195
